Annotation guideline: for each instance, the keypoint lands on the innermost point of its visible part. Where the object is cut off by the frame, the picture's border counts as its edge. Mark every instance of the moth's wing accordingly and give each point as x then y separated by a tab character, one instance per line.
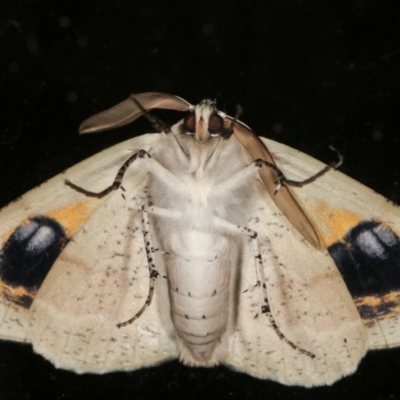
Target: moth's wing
361	230
100	279
35	228
127	111
309	301
283	198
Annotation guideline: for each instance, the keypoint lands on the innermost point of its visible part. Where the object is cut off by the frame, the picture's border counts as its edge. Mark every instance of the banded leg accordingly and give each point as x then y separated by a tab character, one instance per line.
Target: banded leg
117	181
153	273
228	227
237	179
153	166
282	180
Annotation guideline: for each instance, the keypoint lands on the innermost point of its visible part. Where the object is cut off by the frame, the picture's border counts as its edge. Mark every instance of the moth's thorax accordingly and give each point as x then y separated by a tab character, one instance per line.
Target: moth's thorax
201	167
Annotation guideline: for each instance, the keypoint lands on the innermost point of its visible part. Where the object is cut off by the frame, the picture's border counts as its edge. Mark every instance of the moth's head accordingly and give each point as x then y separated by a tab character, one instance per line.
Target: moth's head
204	122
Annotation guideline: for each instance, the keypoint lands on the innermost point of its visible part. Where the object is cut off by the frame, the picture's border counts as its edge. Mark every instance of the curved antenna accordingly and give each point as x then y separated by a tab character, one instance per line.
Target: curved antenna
128	110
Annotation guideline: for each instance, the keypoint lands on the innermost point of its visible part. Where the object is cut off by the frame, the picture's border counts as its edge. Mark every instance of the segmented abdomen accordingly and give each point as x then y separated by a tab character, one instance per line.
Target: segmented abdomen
198	270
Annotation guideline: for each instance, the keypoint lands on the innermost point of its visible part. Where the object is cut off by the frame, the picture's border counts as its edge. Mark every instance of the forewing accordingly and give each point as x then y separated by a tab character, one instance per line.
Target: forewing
283	198
309	301
361	231
128	110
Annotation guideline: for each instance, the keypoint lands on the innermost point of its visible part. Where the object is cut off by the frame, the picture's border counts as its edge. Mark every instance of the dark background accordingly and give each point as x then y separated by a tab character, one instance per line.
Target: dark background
305	72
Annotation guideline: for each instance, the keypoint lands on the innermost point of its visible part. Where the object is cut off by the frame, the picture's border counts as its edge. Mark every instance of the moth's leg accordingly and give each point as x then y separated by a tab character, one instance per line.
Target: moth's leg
117	181
154	167
228	227
282	180
237	179
153	273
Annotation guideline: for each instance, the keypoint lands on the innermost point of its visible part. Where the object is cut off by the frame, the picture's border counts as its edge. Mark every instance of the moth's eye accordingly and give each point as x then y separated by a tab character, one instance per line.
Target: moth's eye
215	125
189	123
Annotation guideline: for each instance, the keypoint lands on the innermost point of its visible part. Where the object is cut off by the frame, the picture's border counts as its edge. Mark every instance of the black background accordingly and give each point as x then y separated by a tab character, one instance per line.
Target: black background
305	72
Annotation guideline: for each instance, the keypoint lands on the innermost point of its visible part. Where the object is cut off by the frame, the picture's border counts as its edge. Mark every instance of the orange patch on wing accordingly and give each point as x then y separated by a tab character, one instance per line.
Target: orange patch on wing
375	301
16	294
332	224
386	306
73	216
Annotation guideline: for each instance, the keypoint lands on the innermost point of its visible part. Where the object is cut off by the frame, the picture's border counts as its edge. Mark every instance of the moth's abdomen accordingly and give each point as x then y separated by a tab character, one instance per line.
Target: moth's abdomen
199	295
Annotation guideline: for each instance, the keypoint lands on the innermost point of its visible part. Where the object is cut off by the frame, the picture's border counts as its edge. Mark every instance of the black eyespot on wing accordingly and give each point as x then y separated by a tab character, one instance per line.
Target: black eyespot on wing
27	257
368	258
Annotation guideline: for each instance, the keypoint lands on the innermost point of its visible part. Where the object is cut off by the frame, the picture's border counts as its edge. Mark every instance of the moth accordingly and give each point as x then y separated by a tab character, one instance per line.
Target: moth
191	242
